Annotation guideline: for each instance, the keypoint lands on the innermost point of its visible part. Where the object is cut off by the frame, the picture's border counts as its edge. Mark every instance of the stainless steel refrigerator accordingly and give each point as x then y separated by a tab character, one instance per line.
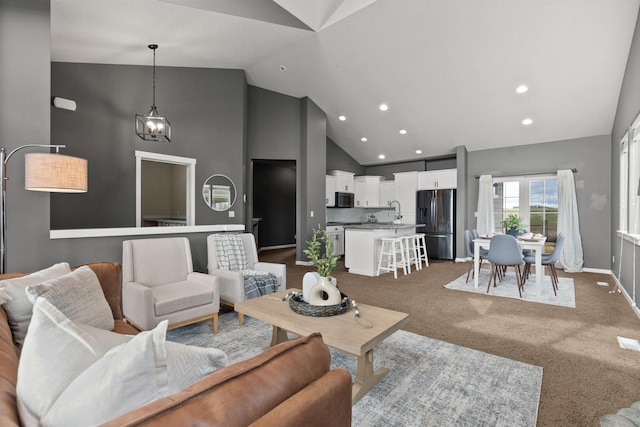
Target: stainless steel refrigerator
436	217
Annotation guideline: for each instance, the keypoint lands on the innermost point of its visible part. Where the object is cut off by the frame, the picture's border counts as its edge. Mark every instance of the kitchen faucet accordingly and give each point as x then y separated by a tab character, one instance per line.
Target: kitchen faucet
395	201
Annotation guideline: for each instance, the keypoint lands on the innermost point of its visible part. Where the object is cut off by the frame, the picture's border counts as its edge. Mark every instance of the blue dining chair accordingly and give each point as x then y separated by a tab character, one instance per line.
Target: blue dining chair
549	261
468	240
504	252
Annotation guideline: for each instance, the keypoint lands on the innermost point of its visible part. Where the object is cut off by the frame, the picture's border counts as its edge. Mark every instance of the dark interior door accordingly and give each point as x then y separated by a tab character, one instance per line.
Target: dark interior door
274	202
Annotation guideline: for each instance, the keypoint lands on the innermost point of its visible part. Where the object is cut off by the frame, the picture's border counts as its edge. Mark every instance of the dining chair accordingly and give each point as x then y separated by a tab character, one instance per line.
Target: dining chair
468	240
504	252
549	261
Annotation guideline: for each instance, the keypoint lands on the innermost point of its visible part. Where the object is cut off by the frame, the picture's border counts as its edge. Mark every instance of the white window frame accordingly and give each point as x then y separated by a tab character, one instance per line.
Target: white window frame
624	183
633	177
190	181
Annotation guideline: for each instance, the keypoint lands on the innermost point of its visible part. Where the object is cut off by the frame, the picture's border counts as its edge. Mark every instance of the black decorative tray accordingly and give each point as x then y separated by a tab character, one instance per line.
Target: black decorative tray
298	305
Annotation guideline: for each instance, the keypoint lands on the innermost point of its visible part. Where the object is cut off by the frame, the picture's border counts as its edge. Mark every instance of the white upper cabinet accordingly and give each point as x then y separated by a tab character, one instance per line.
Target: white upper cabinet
344	181
406	188
330	190
387	193
371	191
439	179
359	194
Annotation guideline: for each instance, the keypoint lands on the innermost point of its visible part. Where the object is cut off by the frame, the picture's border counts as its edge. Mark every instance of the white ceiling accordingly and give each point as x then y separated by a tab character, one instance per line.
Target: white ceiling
448	69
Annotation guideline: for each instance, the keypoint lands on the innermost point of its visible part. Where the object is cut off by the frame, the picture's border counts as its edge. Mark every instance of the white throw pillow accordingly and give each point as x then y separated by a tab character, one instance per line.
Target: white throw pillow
55	352
127	377
75	374
78	295
15	301
188	364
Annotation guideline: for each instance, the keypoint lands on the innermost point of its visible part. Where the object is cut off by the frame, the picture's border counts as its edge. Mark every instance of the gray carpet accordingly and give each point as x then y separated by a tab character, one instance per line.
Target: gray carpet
431	383
509	289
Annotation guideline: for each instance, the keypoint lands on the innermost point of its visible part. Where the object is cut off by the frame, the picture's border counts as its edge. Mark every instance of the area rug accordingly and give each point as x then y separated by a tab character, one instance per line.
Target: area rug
430	383
508	288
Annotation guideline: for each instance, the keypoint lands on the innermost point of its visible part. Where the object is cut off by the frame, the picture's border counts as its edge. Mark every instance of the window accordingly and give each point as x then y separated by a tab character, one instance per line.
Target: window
633	169
534	198
624	181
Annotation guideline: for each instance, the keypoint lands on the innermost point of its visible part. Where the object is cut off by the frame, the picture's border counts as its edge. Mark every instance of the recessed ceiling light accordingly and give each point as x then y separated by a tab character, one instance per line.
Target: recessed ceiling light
522	89
342	118
383	107
403	131
527	121
381	156
418	151
363	139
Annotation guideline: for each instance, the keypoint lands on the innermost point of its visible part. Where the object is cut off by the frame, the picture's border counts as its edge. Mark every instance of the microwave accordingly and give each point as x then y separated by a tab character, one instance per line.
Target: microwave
344	200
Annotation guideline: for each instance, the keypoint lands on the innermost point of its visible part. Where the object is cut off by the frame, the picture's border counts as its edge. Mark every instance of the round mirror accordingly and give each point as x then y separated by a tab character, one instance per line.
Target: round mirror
219	192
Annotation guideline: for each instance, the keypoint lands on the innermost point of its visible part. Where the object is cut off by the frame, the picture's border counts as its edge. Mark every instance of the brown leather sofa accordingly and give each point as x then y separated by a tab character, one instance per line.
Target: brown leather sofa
290	384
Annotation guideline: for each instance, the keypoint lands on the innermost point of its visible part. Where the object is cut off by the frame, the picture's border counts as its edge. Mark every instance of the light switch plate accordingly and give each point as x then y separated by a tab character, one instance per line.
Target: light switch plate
232	214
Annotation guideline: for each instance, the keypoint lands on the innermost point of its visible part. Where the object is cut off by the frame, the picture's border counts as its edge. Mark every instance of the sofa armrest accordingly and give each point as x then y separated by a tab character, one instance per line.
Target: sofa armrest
279	270
242	393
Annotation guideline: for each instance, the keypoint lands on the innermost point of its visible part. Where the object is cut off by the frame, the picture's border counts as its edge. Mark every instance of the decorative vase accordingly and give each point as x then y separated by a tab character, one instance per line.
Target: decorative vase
324	293
397	222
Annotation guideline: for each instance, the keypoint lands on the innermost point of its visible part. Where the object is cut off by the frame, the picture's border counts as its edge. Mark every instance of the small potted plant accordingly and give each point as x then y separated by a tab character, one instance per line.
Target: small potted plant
513	225
324	292
397	219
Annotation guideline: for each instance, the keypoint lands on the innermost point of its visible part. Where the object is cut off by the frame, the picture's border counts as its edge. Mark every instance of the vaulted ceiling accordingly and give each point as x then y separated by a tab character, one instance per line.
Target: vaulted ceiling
447	69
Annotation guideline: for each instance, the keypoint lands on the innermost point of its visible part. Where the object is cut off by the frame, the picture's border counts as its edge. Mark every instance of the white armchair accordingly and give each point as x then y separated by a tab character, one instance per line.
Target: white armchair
232	289
158	283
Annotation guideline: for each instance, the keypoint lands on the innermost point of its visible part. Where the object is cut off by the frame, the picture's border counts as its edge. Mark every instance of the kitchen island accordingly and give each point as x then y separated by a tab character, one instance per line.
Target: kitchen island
362	244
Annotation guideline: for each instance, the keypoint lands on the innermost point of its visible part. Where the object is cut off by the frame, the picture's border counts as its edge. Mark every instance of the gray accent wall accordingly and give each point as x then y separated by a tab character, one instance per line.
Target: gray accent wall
628	110
287	128
591	156
206	111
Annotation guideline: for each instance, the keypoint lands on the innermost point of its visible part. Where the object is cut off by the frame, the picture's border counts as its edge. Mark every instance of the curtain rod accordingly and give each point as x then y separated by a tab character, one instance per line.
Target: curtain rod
574	170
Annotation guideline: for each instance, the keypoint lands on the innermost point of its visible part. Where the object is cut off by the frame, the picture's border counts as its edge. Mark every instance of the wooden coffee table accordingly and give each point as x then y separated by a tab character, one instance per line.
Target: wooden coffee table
341	332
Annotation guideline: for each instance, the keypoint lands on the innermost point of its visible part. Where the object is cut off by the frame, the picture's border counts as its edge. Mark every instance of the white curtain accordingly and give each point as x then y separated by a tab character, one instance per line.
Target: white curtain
571	258
485	221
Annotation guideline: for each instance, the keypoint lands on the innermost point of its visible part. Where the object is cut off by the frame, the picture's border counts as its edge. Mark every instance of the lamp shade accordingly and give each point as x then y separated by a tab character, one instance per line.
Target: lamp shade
55	173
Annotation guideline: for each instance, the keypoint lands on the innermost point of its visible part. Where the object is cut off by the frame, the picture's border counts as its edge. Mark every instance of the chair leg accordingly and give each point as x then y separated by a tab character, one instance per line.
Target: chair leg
215	323
518	278
492	276
554	278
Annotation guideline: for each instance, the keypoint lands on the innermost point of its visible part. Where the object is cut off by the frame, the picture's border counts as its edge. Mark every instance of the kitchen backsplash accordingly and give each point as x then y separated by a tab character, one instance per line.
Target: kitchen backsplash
358	215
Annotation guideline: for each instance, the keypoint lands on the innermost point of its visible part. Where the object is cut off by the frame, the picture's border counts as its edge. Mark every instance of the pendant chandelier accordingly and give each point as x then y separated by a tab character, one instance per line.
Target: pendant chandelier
152	126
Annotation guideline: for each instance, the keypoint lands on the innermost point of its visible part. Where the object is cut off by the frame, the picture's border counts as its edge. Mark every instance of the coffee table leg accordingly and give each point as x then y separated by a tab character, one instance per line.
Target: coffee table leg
366	377
278	336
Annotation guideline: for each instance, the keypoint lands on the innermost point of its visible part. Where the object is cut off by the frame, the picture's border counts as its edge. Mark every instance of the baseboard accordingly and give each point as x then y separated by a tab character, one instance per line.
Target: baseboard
305	263
623	291
597	270
462	259
270	248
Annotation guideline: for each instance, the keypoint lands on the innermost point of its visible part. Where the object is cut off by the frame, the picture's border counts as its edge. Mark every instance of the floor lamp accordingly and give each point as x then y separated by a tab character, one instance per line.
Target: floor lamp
43	172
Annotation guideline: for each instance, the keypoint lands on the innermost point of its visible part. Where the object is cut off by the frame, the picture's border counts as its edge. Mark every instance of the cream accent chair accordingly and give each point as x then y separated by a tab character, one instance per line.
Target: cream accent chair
232	282
158	283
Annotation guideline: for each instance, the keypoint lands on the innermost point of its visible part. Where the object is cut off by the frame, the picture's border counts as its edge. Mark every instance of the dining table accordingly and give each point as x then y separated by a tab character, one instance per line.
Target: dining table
533	242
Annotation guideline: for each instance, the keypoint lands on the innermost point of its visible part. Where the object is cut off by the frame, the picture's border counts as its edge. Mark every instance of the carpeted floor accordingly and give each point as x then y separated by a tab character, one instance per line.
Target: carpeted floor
457	386
508	288
586	373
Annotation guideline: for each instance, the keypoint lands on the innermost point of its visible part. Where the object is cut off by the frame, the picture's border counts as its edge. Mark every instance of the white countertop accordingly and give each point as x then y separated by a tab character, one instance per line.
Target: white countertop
379	226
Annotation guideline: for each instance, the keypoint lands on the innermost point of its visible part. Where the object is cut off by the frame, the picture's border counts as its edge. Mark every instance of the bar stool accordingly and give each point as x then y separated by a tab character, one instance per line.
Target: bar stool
421	244
411	248
392	248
